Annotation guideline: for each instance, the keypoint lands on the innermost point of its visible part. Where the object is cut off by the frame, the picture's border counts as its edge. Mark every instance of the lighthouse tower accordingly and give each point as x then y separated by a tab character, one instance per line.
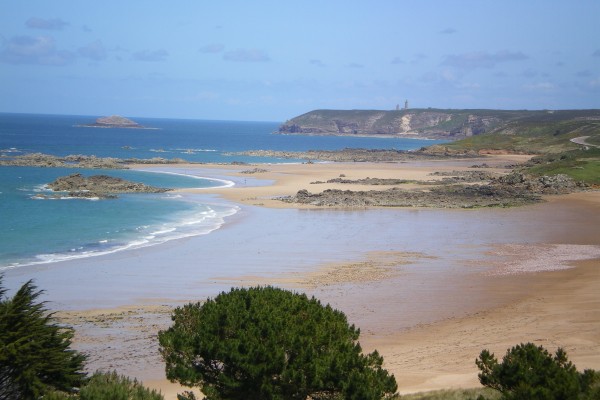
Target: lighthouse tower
406	104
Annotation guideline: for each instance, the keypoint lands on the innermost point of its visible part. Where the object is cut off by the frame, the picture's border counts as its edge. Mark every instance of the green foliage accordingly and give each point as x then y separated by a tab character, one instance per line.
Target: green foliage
268	343
581	165
530	372
35	354
548	135
454	394
109	386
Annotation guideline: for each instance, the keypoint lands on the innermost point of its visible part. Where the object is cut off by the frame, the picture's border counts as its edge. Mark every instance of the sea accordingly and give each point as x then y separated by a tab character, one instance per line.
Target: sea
37	230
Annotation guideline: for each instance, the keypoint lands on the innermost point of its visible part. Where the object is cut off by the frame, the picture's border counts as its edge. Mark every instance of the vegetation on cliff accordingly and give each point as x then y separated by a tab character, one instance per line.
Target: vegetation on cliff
437	123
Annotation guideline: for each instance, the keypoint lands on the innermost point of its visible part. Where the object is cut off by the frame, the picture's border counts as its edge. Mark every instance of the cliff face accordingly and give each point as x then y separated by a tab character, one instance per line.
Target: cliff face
425	123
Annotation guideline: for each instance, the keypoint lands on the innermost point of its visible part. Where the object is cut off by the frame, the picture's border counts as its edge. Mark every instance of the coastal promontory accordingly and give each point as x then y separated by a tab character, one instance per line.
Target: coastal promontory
427	123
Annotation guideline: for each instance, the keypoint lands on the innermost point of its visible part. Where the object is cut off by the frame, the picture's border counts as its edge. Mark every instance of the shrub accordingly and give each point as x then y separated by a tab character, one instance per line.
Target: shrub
109	386
530	372
268	343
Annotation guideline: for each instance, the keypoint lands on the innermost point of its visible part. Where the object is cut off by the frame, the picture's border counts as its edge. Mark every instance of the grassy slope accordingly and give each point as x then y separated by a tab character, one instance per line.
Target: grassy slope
548	136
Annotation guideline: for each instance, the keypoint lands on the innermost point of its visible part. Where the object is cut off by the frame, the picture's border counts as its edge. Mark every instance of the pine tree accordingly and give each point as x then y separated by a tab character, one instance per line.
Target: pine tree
35	354
268	343
528	372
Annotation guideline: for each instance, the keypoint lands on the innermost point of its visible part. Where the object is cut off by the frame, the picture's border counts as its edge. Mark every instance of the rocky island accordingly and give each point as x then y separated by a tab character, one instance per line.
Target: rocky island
97	186
114	121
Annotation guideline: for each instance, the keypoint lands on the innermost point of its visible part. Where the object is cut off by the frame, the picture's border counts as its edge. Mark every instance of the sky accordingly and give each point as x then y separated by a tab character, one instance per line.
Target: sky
273	60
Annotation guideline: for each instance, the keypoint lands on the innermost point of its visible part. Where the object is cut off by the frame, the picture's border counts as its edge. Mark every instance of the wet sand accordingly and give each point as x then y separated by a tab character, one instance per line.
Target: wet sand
428	288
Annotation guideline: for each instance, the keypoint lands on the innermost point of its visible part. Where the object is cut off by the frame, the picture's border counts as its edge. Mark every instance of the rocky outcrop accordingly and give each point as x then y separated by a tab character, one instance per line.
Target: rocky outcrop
511	190
98	186
354	155
81	161
114	121
424	123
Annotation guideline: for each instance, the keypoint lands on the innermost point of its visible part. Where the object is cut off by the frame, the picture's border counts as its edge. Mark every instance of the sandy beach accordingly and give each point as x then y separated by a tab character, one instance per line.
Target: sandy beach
429	288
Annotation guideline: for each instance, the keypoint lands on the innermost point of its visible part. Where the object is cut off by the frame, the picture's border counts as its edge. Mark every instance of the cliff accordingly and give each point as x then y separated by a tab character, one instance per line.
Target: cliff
418	123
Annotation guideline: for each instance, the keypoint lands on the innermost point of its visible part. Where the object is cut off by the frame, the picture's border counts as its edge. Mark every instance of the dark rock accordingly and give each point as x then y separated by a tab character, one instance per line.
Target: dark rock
102	186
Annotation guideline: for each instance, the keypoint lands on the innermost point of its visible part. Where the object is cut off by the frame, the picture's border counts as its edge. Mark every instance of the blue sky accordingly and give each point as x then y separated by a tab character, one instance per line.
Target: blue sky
273	60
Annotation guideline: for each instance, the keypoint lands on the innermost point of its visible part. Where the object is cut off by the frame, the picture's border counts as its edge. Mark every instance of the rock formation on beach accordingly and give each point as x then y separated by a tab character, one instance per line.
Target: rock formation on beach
98	186
509	190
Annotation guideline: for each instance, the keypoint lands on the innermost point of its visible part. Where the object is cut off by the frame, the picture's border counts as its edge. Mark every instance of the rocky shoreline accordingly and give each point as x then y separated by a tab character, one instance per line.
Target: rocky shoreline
456	189
81	161
345	155
359	155
511	190
96	186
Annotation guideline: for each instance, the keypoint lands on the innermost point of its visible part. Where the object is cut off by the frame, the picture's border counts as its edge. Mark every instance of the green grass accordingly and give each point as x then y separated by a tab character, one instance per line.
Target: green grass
456	394
581	165
533	137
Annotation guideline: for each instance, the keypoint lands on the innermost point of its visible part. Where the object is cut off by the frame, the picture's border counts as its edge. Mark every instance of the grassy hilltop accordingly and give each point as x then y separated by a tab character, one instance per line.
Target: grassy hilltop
437	123
564	141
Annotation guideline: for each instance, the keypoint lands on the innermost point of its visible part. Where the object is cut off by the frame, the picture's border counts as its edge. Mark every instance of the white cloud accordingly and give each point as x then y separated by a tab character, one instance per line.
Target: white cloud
151	55
246	55
94	51
52	24
448	31
39	50
482	59
212	48
540	86
355	65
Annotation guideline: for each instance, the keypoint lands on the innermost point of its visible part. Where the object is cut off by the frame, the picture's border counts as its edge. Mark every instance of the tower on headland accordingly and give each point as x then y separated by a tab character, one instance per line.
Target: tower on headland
406	104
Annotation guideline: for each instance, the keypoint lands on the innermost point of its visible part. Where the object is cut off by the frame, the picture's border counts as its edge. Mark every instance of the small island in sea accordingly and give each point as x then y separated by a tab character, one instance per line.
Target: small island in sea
114	121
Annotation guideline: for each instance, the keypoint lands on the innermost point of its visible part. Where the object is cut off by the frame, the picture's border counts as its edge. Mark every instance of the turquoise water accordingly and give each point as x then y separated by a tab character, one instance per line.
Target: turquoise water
44	230
34	231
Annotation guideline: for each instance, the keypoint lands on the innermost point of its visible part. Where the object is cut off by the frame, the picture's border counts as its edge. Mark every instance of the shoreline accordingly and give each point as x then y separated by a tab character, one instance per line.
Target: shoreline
420	283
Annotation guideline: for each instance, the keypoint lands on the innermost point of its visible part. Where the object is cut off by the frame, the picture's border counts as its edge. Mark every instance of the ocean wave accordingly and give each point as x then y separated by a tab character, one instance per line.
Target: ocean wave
224	183
43	197
202	223
11	150
192	151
